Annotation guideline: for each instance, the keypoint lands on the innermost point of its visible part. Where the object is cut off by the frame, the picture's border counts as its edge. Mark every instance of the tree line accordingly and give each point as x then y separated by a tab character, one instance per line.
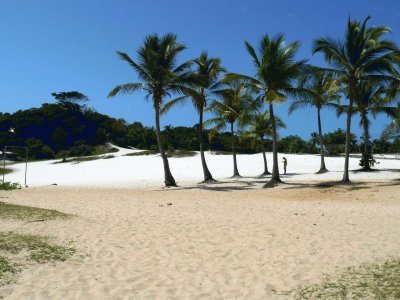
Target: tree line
361	76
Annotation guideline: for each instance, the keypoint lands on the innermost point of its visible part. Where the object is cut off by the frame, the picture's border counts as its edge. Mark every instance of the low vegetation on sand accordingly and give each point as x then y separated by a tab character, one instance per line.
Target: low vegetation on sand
19	250
21	212
176	153
84	158
368	281
8	186
5	170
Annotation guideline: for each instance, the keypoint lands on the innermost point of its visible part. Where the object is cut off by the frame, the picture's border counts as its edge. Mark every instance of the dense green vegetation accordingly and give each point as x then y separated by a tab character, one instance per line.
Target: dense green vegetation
42	145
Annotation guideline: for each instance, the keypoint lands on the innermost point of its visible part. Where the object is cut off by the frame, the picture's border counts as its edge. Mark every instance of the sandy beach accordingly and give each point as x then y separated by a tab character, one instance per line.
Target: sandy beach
223	241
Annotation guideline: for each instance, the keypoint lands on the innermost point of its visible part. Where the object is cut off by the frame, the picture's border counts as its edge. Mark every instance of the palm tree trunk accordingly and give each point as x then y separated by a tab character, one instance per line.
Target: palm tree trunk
207	175
275	168
346	178
266	172
364	119
322	168
235	169
169	179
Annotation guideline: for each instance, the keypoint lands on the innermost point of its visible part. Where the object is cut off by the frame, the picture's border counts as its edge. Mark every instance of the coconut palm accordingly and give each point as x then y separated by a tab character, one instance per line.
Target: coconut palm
235	107
361	55
259	127
276	72
319	90
207	70
161	77
372	99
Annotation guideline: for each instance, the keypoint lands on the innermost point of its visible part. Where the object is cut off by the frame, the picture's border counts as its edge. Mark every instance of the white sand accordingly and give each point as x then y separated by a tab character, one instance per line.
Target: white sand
147	171
230	242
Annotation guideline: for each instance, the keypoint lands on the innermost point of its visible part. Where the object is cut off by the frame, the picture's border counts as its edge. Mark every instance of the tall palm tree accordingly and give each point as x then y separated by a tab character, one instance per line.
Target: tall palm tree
161	77
260	126
361	55
319	90
207	71
235	108
276	72
372	99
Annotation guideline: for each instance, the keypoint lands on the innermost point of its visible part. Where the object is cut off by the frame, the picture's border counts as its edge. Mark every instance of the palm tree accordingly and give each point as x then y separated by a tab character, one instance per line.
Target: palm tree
276	70
372	99
260	126
160	76
207	72
235	108
319	90
362	55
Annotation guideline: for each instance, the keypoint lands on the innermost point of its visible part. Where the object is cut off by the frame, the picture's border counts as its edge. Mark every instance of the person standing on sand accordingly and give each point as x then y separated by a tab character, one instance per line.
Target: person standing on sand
284	164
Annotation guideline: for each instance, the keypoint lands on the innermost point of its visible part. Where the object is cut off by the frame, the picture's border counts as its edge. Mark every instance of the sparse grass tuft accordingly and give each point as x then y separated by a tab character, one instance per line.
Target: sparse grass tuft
356	188
21	212
7	270
34	248
9	186
368	281
104	149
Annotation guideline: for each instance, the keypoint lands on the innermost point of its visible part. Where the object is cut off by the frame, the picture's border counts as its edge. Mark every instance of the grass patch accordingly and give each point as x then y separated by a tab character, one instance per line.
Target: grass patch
9	186
368	281
141	153
104	149
175	153
21	212
84	159
29	248
356	188
181	153
221	152
5	170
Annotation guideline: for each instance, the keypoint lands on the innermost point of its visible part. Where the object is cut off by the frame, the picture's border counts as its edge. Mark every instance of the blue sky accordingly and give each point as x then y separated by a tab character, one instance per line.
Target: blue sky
53	45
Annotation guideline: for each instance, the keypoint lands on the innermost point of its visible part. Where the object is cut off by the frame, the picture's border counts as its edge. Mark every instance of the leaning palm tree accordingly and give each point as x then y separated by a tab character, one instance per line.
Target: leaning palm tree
319	90
207	71
276	72
372	99
235	108
161	77
259	127
362	55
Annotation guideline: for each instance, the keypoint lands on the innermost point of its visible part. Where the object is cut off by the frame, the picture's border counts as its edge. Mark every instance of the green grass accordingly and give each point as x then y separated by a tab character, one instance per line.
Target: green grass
176	153
356	188
104	149
5	170
19	250
141	153
9	186
221	152
84	159
7	270
21	212
368	281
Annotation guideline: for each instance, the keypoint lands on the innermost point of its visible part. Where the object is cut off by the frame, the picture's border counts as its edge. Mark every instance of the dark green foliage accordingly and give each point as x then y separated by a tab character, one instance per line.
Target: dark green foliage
367	159
335	142
295	144
8	186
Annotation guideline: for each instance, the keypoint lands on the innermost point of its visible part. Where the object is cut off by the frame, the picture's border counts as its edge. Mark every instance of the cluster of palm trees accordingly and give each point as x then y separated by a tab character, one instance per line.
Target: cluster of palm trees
362	69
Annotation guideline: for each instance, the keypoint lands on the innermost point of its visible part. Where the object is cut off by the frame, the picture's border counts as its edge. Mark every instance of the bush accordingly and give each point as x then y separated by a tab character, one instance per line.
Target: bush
8	186
81	150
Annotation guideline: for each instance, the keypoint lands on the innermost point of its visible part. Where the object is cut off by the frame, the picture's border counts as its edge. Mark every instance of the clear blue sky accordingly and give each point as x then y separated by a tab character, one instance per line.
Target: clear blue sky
53	45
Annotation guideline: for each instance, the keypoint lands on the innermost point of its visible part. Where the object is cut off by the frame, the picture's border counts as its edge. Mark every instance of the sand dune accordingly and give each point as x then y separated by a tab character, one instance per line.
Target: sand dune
225	241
